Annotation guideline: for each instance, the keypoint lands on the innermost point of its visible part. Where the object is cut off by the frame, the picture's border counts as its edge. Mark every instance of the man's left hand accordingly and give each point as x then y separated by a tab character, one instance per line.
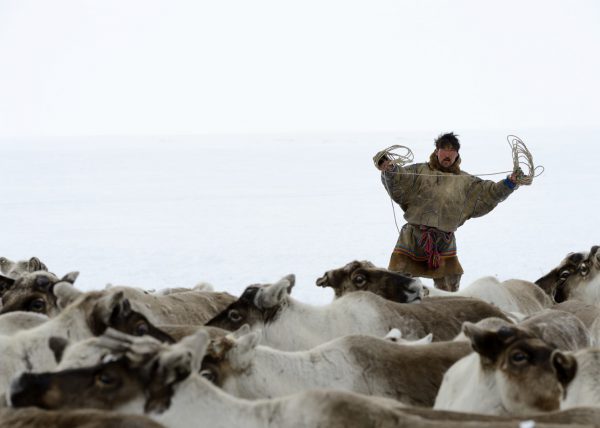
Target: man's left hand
518	173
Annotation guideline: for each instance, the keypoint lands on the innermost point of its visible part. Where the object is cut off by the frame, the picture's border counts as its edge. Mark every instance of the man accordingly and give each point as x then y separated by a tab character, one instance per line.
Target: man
437	197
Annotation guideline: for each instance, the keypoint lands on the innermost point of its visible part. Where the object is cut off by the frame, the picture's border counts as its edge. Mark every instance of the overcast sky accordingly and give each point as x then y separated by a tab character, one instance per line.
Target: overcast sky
76	67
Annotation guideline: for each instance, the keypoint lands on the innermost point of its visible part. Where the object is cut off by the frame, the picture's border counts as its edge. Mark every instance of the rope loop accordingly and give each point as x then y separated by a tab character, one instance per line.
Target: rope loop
523	165
405	156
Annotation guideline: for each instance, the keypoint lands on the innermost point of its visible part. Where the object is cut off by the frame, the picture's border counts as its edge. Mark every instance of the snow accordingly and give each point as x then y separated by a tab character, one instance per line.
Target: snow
234	210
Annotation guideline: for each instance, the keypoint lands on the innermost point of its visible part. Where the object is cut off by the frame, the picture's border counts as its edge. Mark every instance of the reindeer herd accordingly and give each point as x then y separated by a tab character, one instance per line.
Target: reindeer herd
386	352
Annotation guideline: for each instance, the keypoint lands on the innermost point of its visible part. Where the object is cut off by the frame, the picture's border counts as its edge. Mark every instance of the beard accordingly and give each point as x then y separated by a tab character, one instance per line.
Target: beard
450	167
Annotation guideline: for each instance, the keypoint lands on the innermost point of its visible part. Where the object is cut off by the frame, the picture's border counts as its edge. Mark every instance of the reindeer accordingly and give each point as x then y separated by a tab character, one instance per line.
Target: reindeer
363	364
576	277
34	292
522	297
269	308
512	372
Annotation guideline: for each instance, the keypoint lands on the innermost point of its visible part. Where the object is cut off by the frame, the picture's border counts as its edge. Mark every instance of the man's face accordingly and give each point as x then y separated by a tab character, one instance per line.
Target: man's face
447	156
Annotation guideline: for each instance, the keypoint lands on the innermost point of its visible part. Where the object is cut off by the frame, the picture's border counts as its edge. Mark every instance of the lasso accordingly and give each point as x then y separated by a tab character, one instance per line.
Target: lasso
401	159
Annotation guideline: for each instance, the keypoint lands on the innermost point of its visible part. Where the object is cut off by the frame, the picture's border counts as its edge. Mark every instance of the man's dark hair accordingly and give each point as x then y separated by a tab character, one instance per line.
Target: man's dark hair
447	140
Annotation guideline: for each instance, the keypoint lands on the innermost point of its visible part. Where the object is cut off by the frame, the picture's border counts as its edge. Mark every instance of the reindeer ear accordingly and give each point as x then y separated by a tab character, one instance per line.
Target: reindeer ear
5	283
489	343
565	366
200	345
272	295
595	254
121	310
70	277
242	331
203	286
65	294
174	365
248	341
291	278
424	340
5	264
241	355
111	305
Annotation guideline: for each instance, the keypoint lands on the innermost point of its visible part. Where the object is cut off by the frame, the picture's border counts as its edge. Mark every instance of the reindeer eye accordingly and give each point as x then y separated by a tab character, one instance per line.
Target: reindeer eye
584	270
564	275
141	328
519	357
360	280
36	305
208	375
105	379
234	315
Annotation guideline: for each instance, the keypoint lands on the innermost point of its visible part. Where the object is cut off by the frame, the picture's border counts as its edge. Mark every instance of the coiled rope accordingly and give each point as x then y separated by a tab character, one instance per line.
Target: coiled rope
522	158
400	159
523	167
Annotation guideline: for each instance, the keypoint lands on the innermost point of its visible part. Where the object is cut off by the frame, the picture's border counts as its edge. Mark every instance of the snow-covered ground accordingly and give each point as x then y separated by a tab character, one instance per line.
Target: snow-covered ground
236	210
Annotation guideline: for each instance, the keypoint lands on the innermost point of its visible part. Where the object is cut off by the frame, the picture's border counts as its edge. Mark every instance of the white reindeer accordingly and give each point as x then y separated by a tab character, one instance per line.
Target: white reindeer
512	372
353	363
269	308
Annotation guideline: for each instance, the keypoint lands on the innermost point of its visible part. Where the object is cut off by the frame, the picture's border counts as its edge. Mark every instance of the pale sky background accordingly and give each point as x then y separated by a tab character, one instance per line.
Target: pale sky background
164	67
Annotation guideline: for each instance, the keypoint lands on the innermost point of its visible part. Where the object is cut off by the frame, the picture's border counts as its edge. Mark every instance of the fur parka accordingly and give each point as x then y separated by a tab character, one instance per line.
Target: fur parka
433	196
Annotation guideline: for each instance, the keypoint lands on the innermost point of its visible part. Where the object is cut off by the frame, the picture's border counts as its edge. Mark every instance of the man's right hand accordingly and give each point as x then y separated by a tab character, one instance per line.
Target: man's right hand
382	161
385	165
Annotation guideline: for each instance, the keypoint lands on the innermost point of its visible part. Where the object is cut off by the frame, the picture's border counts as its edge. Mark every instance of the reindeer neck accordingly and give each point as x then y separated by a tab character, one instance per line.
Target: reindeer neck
584	389
196	400
295	371
298	326
468	387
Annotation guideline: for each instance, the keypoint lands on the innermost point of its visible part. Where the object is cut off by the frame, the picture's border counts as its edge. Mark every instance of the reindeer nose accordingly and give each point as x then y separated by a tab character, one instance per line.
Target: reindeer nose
18	395
322	282
415	291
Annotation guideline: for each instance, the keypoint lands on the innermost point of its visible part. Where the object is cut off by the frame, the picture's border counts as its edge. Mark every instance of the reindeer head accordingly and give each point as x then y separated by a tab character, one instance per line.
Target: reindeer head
33	292
104	309
364	276
576	277
258	305
137	369
531	375
229	355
